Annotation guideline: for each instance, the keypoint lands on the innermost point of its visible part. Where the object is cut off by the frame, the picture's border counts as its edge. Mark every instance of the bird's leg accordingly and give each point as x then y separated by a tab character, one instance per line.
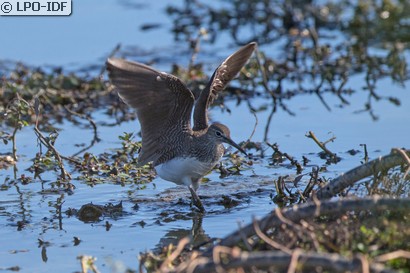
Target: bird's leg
195	199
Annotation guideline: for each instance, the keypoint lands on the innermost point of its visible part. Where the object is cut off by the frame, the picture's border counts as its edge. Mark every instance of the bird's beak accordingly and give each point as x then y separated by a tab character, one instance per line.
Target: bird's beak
232	143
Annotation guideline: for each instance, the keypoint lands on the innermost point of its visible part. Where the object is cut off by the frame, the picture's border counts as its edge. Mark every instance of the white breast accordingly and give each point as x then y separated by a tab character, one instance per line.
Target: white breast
183	170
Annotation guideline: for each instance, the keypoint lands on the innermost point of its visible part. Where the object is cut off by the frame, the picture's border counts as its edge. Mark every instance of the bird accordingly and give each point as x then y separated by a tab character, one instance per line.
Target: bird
179	152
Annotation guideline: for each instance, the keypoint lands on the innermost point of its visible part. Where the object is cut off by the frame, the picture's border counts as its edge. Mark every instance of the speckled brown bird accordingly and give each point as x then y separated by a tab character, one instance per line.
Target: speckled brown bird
180	153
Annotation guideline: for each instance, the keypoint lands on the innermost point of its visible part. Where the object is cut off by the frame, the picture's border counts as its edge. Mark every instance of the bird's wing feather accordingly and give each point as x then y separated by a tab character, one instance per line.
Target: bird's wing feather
221	77
163	103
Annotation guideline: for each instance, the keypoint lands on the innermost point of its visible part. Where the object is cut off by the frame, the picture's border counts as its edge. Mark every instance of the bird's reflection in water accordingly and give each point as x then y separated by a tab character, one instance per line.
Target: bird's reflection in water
196	234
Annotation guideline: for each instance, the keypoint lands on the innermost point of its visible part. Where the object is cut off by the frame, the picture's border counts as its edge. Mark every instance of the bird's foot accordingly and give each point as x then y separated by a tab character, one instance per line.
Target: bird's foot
196	201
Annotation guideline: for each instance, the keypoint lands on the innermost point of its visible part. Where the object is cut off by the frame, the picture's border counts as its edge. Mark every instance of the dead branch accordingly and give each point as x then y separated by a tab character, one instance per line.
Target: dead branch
347	179
311	210
322	145
393	255
282	261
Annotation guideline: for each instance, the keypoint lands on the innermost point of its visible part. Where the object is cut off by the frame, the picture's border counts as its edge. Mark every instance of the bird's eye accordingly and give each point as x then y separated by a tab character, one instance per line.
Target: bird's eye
218	134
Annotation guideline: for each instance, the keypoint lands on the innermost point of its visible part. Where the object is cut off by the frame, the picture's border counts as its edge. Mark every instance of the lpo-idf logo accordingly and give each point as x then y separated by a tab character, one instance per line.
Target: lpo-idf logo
35	7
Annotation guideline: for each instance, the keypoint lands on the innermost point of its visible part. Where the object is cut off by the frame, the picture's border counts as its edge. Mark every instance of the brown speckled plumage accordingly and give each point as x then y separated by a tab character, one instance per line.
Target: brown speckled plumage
164	106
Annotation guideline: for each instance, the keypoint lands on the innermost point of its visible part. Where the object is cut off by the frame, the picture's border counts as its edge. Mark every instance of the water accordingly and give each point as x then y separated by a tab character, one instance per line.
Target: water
87	37
128	236
89	34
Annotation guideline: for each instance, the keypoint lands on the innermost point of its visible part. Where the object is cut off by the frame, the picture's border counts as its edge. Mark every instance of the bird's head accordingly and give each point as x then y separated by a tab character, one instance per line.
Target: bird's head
221	134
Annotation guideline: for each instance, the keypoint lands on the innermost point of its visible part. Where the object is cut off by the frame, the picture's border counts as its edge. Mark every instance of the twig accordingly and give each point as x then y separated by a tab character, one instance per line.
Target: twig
46	142
322	145
42	138
393	255
87	262
405	159
366	155
192	265
294	261
294	162
253	131
382	164
268	240
309	229
13	141
244	239
90	120
365	266
314	175
93	124
180	247
296	227
17	126
217	257
280	187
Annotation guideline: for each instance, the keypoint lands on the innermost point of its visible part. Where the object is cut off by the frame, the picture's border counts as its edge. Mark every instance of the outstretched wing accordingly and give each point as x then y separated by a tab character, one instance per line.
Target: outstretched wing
221	77
163	103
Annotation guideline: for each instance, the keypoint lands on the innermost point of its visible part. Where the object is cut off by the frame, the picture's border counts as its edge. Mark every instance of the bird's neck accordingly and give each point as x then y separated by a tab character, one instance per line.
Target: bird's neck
206	149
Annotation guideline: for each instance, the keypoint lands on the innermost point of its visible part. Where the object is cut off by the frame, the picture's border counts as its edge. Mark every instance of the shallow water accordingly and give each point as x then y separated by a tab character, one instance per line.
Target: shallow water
155	222
162	213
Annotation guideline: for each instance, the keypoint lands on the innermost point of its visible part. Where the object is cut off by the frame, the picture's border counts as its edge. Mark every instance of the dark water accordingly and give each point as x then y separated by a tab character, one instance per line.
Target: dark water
46	242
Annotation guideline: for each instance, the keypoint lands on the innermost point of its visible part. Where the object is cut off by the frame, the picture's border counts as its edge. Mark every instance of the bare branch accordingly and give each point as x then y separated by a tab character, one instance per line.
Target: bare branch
347	179
322	145
310	210
282	261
